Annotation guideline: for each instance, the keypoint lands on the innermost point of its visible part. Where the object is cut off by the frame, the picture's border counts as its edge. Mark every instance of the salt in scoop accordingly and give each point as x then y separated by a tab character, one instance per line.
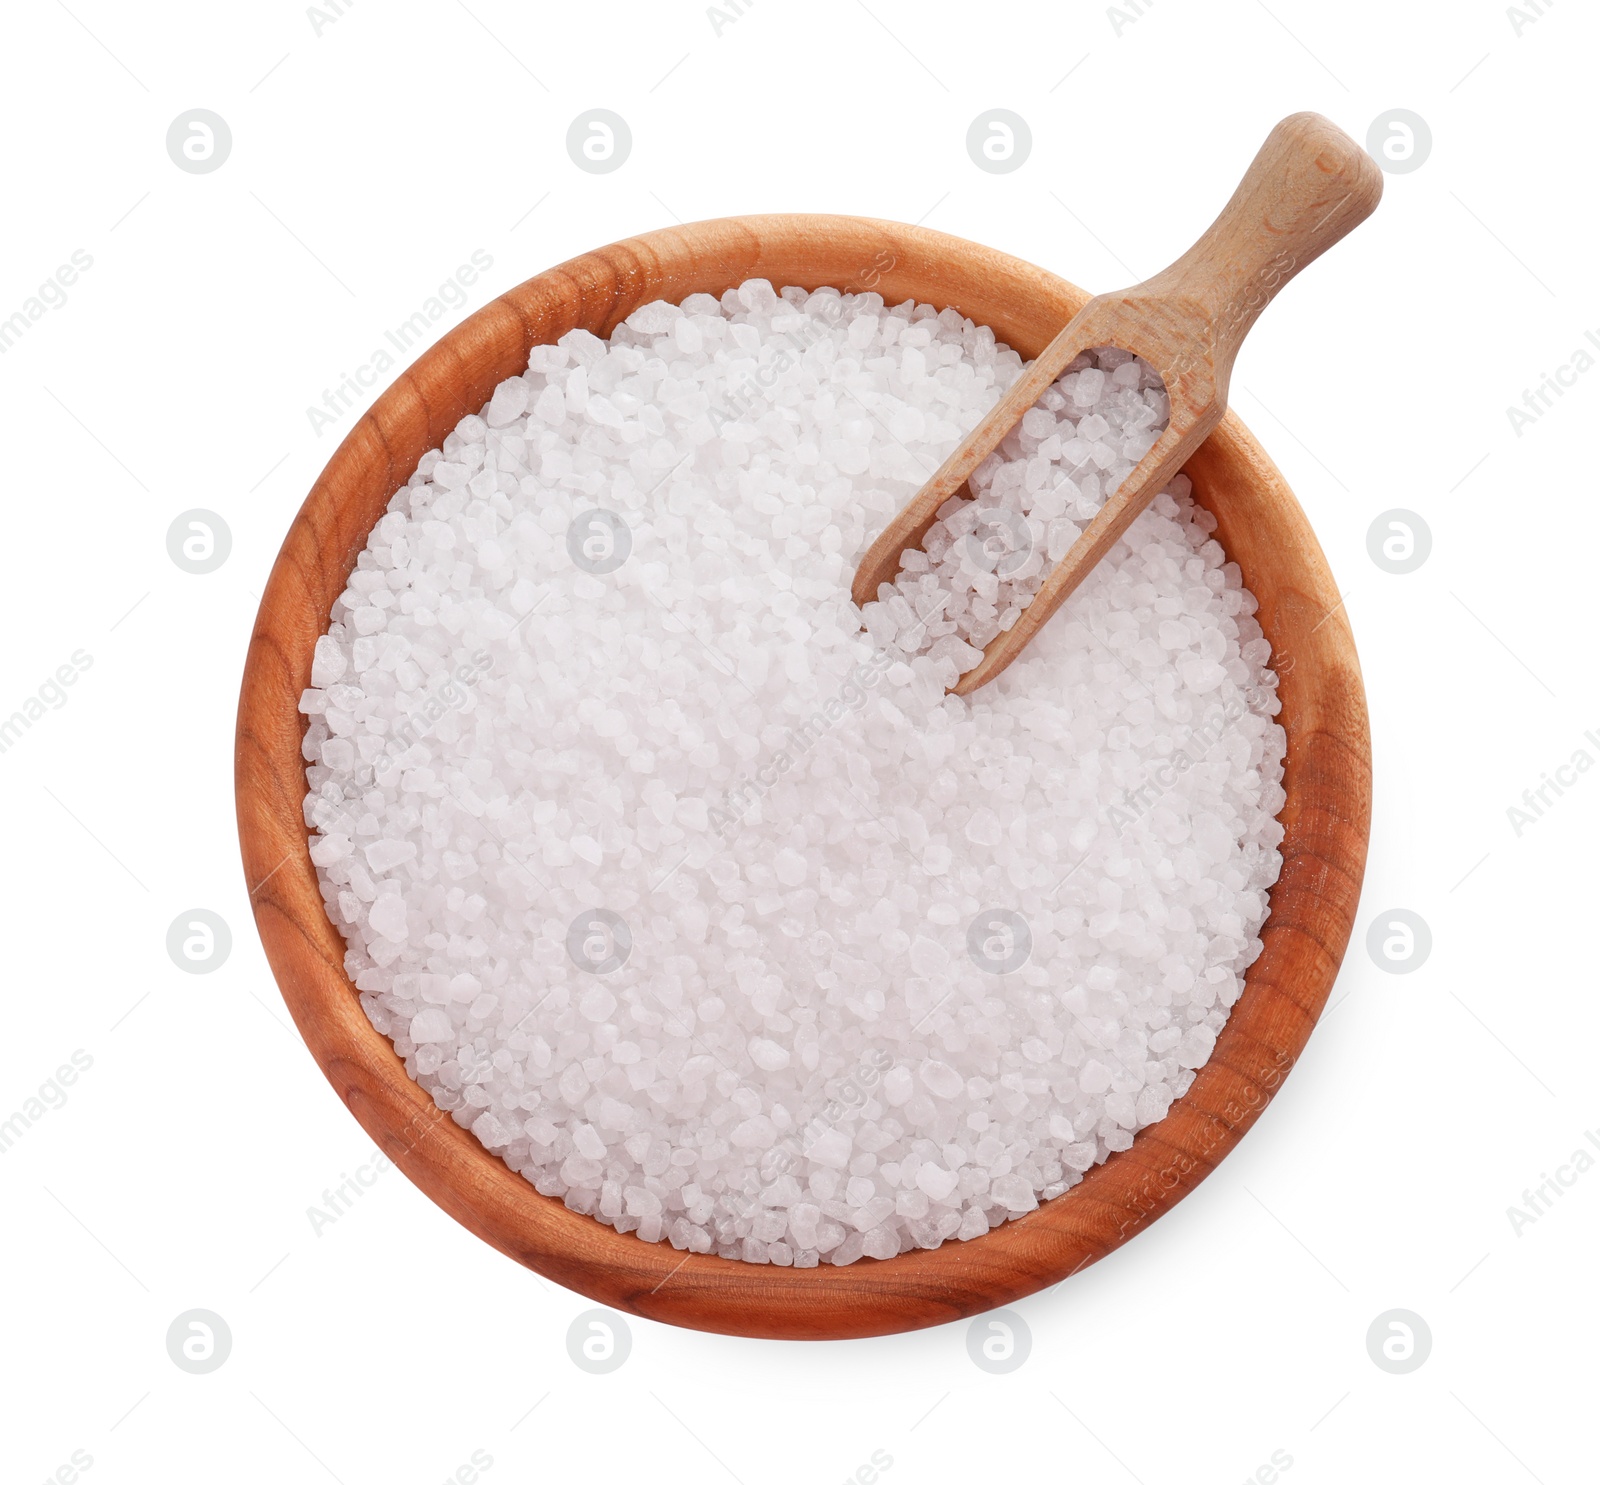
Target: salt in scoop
1308	187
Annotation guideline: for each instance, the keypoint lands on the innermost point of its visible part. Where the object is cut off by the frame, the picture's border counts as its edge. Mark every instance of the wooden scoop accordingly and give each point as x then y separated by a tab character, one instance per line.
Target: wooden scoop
1308	187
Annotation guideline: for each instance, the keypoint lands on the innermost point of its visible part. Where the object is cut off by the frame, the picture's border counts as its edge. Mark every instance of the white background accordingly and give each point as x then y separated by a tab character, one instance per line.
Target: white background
368	162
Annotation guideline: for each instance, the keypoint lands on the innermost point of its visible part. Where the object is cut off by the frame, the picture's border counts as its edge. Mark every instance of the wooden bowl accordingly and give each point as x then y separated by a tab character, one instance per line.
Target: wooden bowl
1328	783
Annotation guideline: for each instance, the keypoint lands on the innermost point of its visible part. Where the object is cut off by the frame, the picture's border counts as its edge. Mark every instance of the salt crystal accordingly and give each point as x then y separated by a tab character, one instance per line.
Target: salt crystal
509	402
655	318
935	1181
973	1224
779	1045
1196	1047
768	1055
431	1025
790	867
329	662
641	1202
1045	468
881	1242
832	1149
1015	1193
385	855
388	918
940	1079
897	1086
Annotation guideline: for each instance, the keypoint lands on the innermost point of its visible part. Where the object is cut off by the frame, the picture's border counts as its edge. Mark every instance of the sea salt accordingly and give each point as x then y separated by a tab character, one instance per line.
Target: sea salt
684	885
984	559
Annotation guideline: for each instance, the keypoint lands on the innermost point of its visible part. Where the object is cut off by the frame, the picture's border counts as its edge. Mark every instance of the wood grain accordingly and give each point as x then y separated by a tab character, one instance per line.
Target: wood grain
1308	186
1312	906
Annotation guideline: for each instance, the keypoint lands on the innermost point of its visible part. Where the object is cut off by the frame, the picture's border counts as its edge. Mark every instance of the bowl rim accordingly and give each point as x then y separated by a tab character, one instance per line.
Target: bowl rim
1311	907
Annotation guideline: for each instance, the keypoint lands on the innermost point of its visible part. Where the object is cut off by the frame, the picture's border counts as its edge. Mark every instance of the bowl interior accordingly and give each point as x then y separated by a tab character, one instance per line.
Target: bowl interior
1312	906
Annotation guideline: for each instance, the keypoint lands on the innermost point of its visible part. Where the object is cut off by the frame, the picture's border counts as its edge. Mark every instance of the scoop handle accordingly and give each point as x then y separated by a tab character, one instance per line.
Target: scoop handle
1309	186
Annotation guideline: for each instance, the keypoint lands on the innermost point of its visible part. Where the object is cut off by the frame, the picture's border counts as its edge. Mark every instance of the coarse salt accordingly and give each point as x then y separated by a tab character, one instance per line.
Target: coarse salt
699	902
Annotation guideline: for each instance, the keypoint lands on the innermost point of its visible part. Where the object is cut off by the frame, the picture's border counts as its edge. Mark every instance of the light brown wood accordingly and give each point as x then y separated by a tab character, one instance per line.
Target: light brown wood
1312	906
1309	186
